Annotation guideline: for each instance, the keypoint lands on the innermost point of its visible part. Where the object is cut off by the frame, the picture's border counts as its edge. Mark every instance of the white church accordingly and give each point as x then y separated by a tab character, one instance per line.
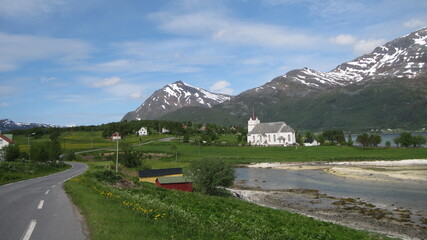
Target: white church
269	134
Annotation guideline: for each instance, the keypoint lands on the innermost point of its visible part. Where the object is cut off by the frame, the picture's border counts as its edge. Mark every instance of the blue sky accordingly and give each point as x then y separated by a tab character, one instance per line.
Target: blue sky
85	62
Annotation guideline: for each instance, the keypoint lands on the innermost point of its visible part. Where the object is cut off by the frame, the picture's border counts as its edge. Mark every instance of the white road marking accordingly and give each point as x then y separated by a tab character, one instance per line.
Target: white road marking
30	230
40	206
54	186
47	192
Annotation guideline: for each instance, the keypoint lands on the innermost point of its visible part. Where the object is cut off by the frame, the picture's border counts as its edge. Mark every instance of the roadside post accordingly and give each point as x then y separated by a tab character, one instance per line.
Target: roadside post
116	137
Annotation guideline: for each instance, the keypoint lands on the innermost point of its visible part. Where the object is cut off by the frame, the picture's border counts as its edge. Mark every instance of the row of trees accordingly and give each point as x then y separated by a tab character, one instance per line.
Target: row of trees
39	152
406	140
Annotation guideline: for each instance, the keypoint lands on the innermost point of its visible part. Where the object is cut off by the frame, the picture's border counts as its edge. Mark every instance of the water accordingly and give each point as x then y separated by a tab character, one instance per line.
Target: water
410	195
389	137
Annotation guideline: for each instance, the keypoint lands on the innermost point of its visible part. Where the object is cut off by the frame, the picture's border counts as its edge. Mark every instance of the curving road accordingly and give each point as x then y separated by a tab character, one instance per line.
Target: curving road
39	209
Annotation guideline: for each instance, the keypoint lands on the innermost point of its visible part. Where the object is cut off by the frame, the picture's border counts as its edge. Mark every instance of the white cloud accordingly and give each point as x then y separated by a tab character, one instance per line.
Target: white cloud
7	90
29	8
4	104
221	87
47	79
218	27
107	82
366	46
19	49
343	39
415	23
136	95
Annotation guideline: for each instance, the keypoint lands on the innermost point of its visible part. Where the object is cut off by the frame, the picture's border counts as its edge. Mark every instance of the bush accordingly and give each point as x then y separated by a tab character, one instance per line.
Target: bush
11	153
107	176
210	176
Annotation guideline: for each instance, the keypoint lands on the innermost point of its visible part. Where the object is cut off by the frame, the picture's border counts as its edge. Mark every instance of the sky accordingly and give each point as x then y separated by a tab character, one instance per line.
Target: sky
88	62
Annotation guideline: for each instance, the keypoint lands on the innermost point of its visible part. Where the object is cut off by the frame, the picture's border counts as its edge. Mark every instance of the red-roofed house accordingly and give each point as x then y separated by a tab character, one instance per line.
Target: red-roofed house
5	141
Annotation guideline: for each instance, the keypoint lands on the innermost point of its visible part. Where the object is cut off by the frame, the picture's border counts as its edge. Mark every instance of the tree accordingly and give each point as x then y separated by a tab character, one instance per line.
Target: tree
129	157
54	149
374	140
406	139
388	144
334	136
396	141
210	176
363	140
349	140
418	140
11	153
39	152
309	135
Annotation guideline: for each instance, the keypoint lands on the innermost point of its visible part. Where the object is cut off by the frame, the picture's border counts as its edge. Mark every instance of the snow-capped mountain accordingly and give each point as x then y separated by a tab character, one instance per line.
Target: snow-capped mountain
405	57
385	89
173	97
9	125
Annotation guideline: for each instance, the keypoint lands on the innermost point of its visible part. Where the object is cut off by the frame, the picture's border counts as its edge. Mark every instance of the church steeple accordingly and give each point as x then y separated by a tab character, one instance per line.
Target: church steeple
253	121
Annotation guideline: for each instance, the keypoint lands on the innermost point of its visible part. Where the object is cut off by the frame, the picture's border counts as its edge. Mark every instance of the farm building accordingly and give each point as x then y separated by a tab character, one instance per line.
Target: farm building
152	175
311	143
177	183
143	131
5	141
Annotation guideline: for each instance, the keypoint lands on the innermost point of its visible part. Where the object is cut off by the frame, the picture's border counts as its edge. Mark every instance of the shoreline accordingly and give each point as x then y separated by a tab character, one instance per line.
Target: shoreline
351	213
354	213
400	170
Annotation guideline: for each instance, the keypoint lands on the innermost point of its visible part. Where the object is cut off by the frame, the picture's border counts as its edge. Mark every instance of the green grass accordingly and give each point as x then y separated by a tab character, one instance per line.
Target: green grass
188	153
113	213
83	140
17	171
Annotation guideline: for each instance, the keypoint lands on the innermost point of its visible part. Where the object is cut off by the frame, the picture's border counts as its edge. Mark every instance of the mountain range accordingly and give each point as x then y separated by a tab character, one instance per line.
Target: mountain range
9	125
386	88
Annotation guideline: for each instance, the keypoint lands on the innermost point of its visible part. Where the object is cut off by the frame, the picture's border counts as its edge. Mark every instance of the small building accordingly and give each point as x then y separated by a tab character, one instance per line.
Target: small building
180	183
202	128
5	141
153	174
165	131
142	132
311	143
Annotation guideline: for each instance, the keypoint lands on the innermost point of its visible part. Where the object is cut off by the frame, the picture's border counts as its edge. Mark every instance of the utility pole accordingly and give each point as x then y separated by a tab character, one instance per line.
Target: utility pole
117	137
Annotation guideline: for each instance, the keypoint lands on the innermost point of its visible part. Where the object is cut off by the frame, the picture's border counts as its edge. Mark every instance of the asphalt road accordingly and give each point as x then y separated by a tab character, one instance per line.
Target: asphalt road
39	209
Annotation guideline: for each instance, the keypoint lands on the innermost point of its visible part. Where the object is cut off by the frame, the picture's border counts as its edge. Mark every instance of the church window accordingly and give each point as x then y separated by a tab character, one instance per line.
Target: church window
274	137
269	138
289	137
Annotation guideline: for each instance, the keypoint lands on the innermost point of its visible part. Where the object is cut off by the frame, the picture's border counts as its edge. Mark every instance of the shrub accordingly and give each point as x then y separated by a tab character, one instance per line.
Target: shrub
210	176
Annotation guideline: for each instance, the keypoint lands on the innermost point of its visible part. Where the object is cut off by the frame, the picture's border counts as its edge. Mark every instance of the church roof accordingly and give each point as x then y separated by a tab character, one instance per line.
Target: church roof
273	127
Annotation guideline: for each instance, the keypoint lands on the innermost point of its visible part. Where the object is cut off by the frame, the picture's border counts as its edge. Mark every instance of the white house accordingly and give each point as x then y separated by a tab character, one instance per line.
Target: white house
165	131
142	132
269	134
311	143
5	141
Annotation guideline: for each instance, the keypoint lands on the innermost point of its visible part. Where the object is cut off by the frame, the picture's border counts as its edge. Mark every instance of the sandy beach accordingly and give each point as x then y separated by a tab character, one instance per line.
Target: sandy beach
354	213
412	170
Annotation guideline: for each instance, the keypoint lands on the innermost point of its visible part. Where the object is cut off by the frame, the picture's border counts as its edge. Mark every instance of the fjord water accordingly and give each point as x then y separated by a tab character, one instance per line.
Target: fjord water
409	195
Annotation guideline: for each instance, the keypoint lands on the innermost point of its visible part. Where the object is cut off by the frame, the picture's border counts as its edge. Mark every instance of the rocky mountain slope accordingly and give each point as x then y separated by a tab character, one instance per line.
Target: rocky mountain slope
173	97
384	89
9	125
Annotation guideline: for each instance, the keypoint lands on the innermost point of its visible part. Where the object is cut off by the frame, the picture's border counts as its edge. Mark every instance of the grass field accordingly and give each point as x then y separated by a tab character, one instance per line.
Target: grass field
188	153
81	140
145	211
17	171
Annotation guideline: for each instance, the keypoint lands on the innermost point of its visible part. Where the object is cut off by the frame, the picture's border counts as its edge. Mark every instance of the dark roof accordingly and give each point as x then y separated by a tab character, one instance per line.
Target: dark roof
6	138
274	127
159	172
171	180
309	141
